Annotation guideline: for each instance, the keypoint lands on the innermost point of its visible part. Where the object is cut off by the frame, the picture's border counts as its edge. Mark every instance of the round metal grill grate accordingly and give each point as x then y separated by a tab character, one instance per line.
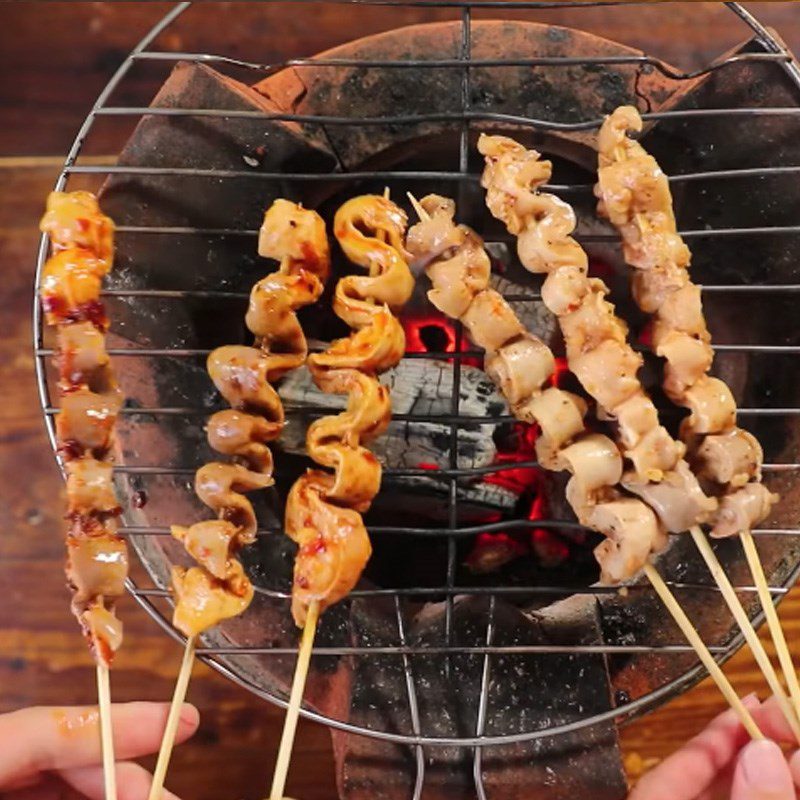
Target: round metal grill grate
240	654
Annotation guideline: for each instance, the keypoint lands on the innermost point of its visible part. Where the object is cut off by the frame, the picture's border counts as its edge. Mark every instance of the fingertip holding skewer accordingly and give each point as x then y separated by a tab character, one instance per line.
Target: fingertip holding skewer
748	631
106	732
173	720
693	637
773	622
421	212
295	701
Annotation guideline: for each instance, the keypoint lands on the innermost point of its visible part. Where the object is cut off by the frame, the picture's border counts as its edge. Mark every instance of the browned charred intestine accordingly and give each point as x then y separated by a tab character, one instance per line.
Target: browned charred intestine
323	510
634	195
81	239
218	588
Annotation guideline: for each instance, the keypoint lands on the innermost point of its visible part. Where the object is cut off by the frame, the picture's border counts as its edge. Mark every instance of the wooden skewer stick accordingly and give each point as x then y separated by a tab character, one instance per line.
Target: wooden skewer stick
295	700
173	719
693	637
774	624
421	212
106	732
749	632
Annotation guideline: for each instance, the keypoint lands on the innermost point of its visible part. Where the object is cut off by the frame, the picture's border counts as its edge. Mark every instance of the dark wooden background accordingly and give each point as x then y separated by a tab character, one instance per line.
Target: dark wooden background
54	59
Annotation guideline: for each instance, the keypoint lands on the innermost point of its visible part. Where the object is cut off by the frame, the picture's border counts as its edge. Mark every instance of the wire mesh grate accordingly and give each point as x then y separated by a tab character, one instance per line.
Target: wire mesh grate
452	475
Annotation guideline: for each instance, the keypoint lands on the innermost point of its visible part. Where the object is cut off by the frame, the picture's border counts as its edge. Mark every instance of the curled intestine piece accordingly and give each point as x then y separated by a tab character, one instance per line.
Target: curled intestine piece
218	587
742	509
81	239
74	219
634	195
323	510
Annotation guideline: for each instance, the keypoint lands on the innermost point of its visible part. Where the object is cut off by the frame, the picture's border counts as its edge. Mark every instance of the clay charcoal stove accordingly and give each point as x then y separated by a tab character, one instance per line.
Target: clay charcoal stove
479	656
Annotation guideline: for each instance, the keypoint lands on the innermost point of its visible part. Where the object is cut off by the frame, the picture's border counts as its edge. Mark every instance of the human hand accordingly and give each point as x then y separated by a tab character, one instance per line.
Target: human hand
43	751
721	763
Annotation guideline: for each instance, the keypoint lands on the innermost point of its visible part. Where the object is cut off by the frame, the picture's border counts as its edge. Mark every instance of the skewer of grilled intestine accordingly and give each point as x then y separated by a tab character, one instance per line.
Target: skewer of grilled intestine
454	258
596	338
323	510
218	587
635	196
600	357
604	363
81	238
520	364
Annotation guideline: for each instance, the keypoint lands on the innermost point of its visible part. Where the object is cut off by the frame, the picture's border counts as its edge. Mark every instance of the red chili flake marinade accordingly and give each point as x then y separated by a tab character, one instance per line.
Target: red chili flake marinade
314	547
70	449
54	306
302	581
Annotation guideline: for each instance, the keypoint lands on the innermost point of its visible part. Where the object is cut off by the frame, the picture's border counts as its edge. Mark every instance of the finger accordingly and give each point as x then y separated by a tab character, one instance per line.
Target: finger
49	788
720	788
133	782
772	722
794	767
762	774
44	739
691	770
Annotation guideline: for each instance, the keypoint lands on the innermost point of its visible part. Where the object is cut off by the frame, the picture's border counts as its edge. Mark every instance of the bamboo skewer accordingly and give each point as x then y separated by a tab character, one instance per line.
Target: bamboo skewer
749	632
421	212
693	637
173	719
106	732
773	622
295	700
299	681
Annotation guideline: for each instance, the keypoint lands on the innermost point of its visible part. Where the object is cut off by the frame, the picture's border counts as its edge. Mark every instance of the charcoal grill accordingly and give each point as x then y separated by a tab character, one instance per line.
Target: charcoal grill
435	681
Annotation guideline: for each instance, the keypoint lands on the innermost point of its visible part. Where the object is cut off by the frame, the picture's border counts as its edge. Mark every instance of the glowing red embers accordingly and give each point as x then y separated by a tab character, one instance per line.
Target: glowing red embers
561	369
492	550
436	334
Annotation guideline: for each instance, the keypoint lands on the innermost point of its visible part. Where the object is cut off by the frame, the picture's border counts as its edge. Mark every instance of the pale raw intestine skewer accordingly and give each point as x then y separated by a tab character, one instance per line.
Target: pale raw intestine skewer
459	269
543	224
635	196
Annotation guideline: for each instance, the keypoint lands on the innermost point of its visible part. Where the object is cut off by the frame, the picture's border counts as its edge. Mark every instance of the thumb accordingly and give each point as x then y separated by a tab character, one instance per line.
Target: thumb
762	774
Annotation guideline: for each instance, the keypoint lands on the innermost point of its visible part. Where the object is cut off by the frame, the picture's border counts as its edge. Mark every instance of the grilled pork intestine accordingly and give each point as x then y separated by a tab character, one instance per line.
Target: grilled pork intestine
635	196
323	509
218	588
596	339
81	239
520	364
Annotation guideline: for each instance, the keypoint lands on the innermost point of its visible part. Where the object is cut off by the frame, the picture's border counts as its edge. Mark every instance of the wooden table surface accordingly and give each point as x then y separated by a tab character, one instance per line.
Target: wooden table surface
54	59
